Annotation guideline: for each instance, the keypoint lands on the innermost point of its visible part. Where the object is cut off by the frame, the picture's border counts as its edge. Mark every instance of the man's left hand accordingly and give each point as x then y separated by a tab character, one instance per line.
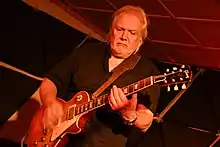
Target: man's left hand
119	101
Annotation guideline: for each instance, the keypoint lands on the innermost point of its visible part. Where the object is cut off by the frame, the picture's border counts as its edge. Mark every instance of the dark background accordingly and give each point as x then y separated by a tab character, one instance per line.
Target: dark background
35	42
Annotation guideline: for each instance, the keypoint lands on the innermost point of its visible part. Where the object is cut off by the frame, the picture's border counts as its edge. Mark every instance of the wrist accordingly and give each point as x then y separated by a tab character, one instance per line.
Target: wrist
48	103
145	119
130	118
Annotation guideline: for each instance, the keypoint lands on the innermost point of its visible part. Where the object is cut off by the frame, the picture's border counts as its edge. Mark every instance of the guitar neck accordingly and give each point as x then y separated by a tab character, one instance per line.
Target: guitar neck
175	77
102	100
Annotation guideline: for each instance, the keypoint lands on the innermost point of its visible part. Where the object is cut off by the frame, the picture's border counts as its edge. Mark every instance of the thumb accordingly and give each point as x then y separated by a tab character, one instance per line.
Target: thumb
133	100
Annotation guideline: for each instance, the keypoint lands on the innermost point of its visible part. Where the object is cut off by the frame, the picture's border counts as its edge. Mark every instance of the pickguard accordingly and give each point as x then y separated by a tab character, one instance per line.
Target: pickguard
61	127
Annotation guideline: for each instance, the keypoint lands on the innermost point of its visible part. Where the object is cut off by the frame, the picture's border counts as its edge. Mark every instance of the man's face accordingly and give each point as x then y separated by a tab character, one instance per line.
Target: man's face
125	36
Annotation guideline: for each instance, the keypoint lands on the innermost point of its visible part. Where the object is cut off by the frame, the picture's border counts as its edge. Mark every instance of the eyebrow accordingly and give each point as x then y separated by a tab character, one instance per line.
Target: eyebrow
130	30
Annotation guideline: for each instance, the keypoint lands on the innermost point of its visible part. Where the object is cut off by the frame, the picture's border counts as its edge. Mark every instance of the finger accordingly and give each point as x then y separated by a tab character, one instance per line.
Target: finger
55	117
112	100
46	123
58	112
43	121
133	101
122	97
116	95
134	98
61	114
60	109
49	125
50	117
111	105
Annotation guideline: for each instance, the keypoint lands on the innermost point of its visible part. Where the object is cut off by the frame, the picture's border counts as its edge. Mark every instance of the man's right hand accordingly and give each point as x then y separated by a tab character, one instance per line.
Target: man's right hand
51	114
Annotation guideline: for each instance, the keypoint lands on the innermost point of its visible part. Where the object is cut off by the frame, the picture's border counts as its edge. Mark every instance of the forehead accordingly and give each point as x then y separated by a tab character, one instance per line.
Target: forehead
129	21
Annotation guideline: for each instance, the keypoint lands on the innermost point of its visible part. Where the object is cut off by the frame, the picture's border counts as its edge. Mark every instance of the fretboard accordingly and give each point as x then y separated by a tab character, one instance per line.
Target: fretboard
102	100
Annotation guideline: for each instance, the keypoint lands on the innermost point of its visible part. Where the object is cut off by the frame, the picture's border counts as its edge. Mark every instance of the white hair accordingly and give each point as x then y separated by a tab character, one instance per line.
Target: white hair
140	14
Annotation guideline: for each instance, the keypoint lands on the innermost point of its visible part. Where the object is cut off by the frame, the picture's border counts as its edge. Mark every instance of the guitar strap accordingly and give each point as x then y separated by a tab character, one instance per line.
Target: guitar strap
128	64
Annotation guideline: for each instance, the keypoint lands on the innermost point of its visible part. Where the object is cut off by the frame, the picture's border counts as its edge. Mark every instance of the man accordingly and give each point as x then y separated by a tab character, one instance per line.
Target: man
88	67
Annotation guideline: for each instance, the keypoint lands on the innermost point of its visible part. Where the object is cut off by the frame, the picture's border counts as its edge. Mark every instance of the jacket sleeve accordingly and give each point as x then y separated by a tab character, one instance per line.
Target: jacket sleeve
150	96
61	74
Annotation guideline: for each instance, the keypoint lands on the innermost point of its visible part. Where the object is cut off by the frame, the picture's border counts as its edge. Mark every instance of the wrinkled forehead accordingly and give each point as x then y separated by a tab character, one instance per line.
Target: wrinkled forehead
131	20
137	14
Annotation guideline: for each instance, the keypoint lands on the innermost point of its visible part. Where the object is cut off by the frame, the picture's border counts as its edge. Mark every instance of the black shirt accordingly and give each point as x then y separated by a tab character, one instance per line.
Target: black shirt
87	69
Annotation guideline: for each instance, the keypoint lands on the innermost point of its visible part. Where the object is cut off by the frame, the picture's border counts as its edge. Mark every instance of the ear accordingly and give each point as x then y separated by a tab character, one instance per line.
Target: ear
109	34
139	45
140	42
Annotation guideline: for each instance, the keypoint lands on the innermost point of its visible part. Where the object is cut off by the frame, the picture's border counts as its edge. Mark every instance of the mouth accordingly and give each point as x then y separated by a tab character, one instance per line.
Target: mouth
122	44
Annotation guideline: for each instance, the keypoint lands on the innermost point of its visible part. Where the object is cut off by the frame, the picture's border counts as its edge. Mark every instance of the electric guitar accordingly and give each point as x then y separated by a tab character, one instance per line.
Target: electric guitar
80	108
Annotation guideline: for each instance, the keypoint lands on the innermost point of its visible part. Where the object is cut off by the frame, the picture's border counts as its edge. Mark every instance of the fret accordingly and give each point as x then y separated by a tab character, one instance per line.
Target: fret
141	84
86	106
136	86
147	82
82	109
90	104
125	90
99	101
130	88
102	99
94	103
77	110
106	99
71	113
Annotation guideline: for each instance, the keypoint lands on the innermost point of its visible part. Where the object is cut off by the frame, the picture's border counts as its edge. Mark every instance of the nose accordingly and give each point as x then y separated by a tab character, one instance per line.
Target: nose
124	35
